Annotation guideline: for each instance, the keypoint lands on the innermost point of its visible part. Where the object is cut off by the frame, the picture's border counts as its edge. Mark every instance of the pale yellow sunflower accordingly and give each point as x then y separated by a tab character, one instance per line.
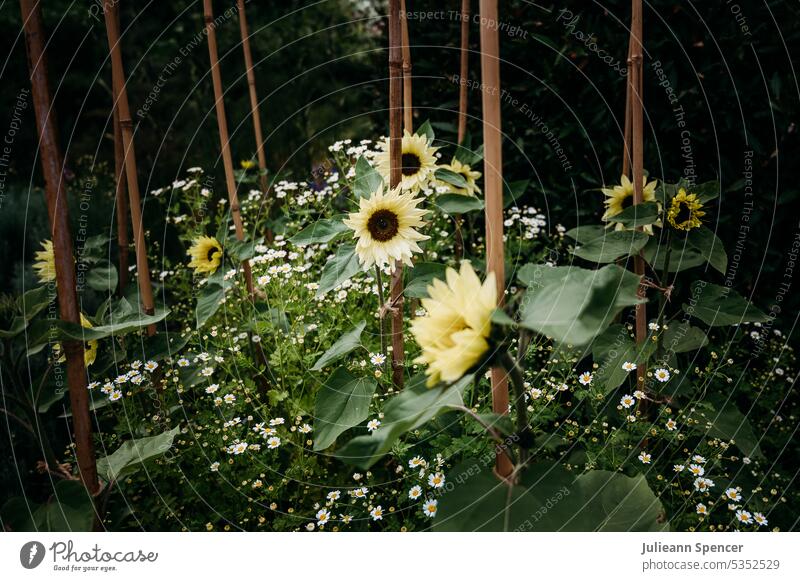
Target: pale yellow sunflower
685	211
206	253
45	265
418	161
247	164
454	333
470	176
620	197
89	347
384	227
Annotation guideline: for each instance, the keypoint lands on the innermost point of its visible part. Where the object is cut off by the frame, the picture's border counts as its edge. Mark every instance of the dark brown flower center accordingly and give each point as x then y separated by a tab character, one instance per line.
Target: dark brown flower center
683	213
383	225
627	201
411	164
211	252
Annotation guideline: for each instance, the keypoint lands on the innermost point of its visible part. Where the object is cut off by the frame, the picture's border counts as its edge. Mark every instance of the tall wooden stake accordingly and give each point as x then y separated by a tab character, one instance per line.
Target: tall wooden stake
126	126
408	110
637	138
395	176
493	180
121	195
222	122
462	86
251	83
57	211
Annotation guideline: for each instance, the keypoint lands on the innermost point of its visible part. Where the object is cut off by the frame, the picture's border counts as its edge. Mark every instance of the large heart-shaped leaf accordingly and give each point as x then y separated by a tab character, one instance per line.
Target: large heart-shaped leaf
717	417
69	509
710	247
579	305
682	255
344	345
133	453
343	265
209	300
613	245
458	203
681	337
450	177
367	179
342	402
717	306
319	232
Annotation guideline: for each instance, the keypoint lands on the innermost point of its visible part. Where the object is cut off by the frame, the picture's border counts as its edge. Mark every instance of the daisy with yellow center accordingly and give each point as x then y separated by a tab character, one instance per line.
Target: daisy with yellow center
685	211
418	161
45	265
454	334
385	227
206	253
620	197
470	176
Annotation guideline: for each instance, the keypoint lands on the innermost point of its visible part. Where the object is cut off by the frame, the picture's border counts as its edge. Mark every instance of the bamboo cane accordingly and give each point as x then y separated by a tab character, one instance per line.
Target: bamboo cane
493	180
227	159
408	110
464	71
395	176
121	195
251	83
637	138
626	149
126	127
57	211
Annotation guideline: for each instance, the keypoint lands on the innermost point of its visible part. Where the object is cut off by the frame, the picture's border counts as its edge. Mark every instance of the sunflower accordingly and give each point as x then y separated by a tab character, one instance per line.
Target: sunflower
206	253
385	227
470	176
620	198
247	164
454	334
685	211
89	347
418	161
45	265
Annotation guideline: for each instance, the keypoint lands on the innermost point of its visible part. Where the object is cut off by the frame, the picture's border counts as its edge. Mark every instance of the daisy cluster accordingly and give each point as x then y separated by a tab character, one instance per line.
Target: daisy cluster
137	376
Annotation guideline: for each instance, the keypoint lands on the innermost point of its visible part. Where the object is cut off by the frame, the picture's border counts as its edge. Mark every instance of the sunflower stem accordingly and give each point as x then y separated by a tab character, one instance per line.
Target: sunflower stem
518	383
381	305
662	302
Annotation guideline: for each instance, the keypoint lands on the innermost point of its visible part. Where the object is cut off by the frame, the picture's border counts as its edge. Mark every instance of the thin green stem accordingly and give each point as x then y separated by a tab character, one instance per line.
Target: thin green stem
381	306
518	383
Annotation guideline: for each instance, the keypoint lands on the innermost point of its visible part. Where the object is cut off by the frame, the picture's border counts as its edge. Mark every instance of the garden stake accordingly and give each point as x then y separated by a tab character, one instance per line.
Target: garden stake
395	175
408	110
493	180
637	138
462	114
126	126
57	211
121	202
222	122
251	83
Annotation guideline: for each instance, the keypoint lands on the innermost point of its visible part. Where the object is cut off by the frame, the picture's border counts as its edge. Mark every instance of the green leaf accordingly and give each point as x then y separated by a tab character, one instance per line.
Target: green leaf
587	233
344	345
637	215
681	337
102	277
614	245
426	129
717	417
421	277
717	306
466	155
241	250
451	177
130	456
35	301
68	509
539	275
682	256
610	350
367	179
338	269
513	191
209	300
547	498
581	305
319	232
710	247
706	191
342	402
407	411
458	203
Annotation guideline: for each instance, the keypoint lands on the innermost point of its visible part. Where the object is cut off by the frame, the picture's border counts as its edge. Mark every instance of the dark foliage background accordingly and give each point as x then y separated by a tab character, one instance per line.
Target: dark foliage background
321	75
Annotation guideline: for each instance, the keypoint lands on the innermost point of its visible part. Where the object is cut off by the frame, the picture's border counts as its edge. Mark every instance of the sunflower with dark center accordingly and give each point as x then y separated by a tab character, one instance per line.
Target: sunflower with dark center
206	253
385	228
620	197
417	162
685	211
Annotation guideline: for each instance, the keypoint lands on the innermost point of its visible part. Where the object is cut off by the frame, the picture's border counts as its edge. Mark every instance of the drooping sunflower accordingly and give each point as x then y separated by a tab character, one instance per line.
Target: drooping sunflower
454	333
470	176
620	197
418	161
385	227
89	347
685	211
206	253
45	265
